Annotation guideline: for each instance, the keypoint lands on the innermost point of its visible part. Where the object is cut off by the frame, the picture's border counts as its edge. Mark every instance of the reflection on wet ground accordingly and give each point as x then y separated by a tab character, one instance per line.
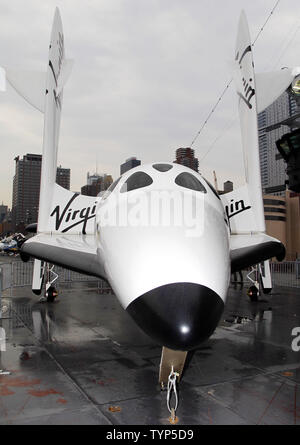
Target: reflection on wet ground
82	360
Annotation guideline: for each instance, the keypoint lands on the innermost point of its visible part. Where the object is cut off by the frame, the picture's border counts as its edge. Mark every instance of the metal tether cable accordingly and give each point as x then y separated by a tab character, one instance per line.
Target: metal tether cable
172	388
229	83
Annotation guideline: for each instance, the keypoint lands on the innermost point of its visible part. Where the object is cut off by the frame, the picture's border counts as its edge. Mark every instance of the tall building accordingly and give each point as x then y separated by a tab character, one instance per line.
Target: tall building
186	156
91	179
272	166
3	212
63	176
227	186
6	225
92	189
282	216
107	181
26	189
5	220
129	164
95	184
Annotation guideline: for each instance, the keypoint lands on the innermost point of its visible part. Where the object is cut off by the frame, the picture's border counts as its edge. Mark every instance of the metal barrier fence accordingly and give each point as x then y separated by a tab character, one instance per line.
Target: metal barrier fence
19	274
286	274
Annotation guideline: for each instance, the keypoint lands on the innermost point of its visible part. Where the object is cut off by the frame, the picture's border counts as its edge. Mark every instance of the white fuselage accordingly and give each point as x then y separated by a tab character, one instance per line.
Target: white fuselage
163	234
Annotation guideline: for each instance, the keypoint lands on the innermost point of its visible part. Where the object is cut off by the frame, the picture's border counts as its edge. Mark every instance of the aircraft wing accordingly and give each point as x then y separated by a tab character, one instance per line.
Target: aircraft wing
75	252
247	250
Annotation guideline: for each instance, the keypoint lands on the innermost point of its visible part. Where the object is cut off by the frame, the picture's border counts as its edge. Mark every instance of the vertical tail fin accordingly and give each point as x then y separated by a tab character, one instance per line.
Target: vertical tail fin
56	203
255	92
246	89
44	91
57	74
59	209
245	205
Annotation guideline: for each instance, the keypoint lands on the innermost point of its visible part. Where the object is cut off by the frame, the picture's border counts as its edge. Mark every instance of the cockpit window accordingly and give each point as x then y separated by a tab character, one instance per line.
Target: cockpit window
189	181
162	167
111	188
136	181
212	189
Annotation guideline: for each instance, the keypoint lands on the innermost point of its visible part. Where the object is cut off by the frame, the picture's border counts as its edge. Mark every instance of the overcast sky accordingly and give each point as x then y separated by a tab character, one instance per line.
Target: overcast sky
146	75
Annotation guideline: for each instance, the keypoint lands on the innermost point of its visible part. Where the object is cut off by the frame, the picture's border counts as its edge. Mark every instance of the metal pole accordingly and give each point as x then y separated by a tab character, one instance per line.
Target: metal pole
1	287
297	264
11	277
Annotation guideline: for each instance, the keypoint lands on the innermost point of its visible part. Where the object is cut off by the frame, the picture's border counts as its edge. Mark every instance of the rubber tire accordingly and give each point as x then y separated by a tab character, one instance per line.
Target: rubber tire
253	293
52	294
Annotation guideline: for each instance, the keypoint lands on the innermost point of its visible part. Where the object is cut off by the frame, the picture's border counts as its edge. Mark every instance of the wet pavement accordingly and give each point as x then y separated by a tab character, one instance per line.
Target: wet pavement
82	360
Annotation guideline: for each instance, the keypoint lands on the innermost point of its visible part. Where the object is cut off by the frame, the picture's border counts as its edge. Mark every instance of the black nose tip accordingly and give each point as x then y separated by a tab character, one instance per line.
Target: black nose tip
178	315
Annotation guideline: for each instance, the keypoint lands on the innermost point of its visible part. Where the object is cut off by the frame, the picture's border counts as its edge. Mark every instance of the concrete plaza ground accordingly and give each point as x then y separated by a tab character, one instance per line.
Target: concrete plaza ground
82	360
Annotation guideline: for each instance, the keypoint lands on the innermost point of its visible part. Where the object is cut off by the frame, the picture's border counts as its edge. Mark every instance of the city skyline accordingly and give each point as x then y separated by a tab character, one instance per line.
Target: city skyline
272	165
129	164
144	89
26	188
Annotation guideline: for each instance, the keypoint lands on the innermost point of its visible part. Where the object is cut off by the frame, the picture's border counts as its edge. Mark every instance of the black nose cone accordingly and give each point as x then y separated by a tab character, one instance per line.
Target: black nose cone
178	315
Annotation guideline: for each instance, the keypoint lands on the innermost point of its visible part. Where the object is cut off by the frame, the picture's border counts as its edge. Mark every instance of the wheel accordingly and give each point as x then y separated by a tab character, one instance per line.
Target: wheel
252	293
51	294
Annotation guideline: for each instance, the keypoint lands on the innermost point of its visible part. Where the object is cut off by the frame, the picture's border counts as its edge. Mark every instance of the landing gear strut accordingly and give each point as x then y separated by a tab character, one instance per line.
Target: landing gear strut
51	292
170	371
261	281
253	290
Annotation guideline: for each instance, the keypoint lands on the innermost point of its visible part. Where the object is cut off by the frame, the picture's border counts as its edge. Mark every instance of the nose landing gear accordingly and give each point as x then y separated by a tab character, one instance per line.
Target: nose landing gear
170	371
261	281
50	291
